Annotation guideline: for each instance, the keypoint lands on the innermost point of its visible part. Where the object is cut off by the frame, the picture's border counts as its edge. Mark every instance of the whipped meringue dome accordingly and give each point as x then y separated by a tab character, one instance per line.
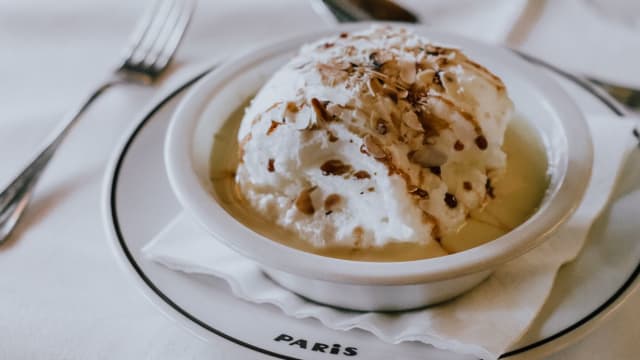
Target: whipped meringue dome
374	139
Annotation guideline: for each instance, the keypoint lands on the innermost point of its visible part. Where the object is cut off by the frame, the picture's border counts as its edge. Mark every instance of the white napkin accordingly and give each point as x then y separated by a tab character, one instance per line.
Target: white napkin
484	322
488	20
594	37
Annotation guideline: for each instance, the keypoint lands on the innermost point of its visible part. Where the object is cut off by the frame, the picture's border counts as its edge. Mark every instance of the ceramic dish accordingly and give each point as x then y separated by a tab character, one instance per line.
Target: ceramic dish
376	285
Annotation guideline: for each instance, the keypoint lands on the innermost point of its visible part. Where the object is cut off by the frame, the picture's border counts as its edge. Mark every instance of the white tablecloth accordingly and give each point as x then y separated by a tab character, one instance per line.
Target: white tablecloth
62	296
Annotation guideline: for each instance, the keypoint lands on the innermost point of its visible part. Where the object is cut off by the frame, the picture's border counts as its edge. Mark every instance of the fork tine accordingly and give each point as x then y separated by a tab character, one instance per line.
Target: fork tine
156	46
170	43
141	29
154	27
172	21
157	39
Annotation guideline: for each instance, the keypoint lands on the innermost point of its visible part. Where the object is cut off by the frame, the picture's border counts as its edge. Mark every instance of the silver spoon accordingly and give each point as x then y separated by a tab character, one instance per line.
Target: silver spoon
362	10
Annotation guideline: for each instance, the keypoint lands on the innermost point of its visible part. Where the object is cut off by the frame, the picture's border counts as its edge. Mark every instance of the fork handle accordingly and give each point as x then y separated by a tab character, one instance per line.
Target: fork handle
15	197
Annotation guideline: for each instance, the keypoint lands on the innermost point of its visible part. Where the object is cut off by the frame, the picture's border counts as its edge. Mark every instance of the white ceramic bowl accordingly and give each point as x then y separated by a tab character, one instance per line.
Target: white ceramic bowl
376	285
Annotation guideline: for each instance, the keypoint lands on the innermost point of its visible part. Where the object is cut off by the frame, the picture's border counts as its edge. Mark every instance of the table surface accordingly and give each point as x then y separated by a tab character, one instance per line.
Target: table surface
62	293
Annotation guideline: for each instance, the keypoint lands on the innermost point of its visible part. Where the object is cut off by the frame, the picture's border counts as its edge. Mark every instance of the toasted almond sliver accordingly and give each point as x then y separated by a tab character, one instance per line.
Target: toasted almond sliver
304	203
320	110
374	86
425	76
374	147
407	71
428	156
411	120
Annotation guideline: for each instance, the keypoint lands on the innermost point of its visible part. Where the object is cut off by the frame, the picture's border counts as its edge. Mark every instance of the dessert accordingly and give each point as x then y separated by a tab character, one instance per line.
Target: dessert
374	137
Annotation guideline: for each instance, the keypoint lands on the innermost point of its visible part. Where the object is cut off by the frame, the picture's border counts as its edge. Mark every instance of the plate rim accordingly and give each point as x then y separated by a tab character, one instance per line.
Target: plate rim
128	263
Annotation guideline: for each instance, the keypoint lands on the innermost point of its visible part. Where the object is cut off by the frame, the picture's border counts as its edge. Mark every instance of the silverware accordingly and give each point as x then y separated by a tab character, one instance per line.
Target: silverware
362	10
359	10
628	96
153	44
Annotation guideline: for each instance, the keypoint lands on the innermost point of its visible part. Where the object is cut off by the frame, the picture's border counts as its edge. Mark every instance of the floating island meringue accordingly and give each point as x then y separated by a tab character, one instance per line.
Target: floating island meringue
374	138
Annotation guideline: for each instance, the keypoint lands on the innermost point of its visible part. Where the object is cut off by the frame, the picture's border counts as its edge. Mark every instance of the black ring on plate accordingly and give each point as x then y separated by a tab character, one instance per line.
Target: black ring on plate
617	109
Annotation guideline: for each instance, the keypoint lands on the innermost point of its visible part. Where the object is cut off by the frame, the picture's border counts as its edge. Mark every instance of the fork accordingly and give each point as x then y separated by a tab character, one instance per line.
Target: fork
152	46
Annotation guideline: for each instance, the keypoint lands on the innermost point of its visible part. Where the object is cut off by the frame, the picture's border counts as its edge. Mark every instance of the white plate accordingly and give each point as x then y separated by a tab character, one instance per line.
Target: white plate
139	202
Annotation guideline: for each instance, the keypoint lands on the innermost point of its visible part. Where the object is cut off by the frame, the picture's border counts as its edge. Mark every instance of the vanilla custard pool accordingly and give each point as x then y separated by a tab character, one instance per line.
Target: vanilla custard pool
517	196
